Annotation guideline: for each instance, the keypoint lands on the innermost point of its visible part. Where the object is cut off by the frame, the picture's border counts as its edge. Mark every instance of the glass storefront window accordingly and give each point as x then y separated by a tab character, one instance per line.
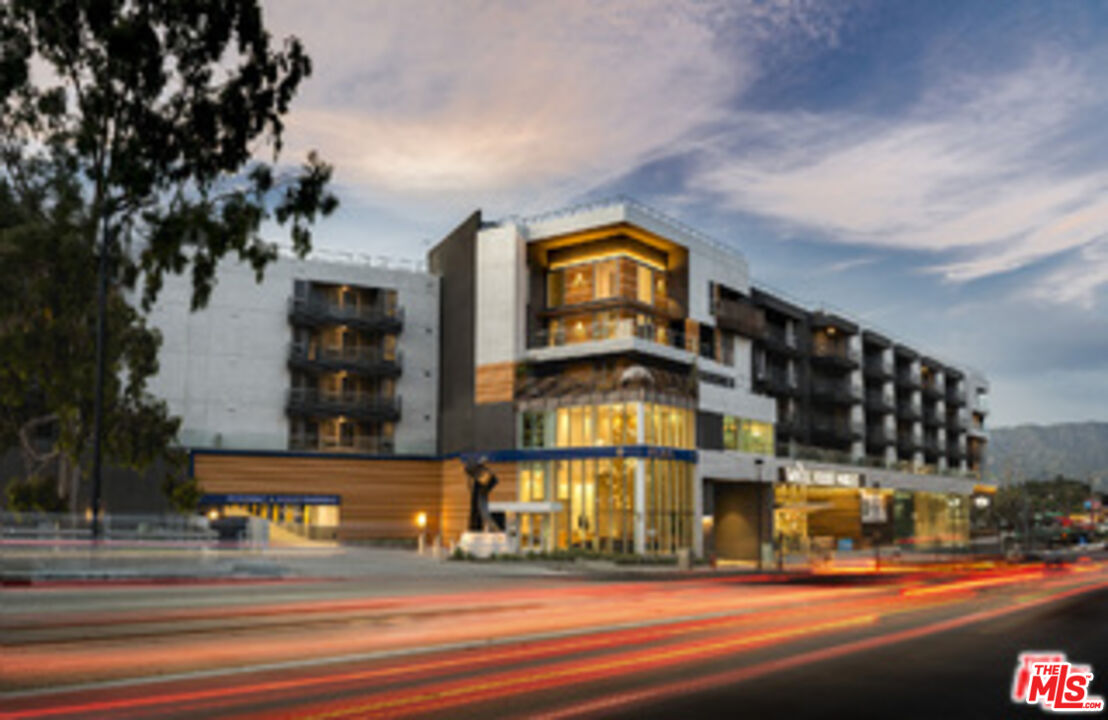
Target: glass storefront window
730	432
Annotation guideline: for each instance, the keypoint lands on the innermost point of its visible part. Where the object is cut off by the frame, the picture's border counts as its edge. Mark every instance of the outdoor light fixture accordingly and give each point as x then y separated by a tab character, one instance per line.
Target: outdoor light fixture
213	514
421	520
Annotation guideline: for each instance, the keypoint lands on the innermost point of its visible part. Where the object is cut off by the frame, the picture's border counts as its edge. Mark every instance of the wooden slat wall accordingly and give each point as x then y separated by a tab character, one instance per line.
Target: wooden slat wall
579	284
380	498
494	383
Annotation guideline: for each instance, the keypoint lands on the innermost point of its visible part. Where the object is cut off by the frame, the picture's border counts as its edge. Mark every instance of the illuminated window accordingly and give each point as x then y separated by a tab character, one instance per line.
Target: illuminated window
607	279
555	289
730	432
645	287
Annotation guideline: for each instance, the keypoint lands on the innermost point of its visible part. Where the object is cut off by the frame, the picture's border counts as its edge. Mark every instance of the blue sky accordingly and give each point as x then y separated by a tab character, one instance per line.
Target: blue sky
935	168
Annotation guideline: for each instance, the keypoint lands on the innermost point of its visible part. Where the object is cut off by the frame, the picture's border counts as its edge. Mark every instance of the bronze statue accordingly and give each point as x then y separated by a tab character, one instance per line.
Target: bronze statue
481	482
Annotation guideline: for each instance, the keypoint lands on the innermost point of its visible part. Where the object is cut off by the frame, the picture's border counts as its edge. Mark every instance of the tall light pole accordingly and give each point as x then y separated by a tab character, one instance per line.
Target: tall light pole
98	401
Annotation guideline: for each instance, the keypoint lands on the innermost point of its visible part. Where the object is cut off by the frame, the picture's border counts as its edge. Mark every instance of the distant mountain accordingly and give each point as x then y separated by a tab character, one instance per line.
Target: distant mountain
1039	452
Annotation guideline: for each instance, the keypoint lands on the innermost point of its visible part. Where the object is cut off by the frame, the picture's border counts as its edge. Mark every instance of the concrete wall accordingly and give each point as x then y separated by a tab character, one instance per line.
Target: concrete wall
224	368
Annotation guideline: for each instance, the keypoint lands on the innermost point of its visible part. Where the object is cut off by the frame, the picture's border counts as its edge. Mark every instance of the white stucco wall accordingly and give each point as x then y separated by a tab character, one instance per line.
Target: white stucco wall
501	302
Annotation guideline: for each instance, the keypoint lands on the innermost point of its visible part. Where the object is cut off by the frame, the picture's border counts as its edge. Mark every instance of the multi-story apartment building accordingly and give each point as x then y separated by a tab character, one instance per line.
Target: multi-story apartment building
630	387
647	392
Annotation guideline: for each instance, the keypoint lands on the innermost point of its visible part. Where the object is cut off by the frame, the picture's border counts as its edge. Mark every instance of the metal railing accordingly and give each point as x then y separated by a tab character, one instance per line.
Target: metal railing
365	358
598	330
318	310
133	528
344	402
357	443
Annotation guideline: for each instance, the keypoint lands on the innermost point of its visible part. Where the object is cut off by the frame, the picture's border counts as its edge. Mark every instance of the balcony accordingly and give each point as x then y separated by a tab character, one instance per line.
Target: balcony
955	395
836	356
880	437
907	379
932	390
371	444
908	443
958	421
740	316
311	402
877	368
307	312
773	382
601	337
780	340
360	360
834	431
839	393
932	446
955	452
909	411
932	417
880	402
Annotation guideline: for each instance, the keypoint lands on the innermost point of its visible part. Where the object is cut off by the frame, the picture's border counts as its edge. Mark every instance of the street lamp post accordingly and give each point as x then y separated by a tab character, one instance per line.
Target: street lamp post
98	401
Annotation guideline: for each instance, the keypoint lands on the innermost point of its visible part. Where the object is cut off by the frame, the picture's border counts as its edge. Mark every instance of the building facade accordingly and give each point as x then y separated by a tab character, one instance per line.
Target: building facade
631	388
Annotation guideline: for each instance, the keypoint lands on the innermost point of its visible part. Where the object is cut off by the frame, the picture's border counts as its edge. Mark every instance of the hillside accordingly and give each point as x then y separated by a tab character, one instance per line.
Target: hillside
1077	450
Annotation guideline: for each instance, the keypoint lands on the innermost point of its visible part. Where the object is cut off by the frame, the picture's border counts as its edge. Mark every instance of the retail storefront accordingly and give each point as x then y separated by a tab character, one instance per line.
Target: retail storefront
821	510
618	477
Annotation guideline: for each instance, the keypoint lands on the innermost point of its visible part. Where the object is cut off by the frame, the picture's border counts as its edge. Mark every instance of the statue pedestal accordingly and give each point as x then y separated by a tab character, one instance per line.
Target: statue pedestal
486	544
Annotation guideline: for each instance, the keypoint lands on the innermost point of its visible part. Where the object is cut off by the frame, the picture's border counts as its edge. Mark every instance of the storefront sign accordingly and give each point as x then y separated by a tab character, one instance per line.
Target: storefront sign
800	475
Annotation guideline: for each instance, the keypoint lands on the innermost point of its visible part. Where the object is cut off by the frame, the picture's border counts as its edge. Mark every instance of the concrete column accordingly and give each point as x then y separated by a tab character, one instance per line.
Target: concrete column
698	513
640	503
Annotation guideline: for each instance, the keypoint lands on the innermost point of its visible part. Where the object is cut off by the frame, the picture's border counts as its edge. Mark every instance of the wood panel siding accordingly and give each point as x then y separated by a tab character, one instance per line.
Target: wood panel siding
379	498
495	383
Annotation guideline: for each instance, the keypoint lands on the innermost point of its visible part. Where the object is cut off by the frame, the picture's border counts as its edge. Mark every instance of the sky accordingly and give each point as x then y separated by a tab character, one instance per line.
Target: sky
936	169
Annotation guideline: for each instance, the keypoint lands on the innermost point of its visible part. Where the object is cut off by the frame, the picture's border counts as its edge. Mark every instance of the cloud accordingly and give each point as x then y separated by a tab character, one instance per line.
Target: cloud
519	102
989	171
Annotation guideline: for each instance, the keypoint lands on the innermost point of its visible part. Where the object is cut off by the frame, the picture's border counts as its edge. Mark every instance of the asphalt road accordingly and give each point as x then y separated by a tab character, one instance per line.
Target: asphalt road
921	644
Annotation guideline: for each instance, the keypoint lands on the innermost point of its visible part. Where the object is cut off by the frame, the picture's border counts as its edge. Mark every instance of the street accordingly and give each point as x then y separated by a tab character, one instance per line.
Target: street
917	643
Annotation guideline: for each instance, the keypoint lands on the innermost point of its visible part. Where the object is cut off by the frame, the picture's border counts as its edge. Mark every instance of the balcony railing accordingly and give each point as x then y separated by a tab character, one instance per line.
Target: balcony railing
878	368
312	312
356	444
909	410
932	417
955	395
837	355
880	401
932	390
842	392
819	454
364	360
740	316
958	420
779	338
908	379
836	430
775	382
354	404
880	437
599	330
